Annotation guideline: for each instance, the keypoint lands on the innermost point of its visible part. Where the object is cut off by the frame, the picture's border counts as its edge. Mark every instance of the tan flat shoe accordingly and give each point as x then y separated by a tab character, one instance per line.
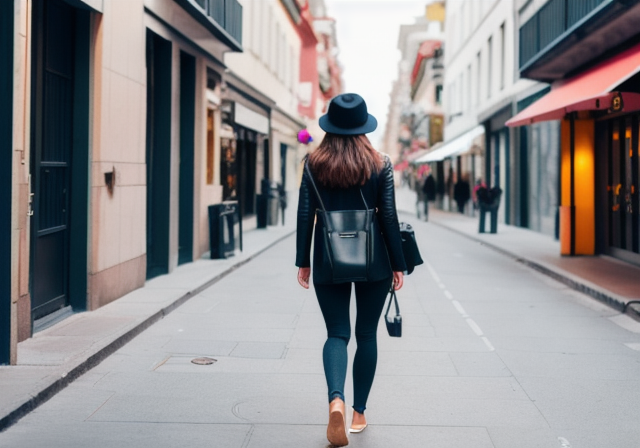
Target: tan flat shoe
355	429
337	428
360	425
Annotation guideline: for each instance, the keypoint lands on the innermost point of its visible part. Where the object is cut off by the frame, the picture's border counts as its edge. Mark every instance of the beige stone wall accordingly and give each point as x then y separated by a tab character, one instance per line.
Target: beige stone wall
118	219
117	224
20	299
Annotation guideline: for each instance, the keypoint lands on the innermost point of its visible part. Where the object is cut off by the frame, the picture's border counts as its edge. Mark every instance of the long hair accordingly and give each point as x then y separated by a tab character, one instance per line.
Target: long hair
343	161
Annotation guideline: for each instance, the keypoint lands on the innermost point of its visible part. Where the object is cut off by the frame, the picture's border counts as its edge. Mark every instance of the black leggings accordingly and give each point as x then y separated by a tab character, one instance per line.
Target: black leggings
334	303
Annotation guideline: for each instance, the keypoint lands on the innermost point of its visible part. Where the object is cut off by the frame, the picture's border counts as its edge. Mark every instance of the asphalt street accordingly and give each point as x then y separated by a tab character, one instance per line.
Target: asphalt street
493	355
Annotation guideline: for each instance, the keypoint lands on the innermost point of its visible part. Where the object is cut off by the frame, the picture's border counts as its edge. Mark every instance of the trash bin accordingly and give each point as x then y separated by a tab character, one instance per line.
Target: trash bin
268	204
223	219
262	210
273	204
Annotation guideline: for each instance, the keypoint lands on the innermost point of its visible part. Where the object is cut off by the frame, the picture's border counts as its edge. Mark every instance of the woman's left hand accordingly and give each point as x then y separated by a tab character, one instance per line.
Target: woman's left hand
303	277
398	280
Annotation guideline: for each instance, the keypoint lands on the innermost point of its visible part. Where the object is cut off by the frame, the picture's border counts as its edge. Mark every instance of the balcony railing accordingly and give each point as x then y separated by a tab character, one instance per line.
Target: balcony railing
554	19
218	15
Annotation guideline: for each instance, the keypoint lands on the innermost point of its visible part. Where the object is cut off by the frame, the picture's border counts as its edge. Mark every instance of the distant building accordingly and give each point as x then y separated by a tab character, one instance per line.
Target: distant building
414	115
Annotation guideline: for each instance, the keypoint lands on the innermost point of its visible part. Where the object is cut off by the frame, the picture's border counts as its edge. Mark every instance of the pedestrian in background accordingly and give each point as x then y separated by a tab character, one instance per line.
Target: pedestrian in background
346	169
474	195
429	190
417	186
461	193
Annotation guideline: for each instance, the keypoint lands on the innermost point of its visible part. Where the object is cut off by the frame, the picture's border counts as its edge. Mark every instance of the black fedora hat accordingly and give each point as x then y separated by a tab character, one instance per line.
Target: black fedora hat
347	115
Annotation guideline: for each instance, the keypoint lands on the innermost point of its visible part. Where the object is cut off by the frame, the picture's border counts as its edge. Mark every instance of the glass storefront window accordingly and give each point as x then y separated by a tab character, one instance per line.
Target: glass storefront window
622	186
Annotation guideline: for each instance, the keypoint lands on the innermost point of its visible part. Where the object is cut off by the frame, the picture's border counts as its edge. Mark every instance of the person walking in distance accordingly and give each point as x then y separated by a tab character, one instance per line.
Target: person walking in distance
348	173
429	190
461	193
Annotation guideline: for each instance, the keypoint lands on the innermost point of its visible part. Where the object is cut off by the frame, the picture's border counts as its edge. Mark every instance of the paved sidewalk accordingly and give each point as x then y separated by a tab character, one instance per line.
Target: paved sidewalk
604	278
56	356
493	355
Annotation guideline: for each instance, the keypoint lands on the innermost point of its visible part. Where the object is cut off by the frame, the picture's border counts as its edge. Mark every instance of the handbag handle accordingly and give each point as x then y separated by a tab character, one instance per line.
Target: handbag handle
394	299
306	167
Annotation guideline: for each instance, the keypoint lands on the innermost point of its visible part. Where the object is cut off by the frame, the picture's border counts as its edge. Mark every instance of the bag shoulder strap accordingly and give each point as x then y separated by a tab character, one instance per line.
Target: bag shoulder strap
306	167
313	184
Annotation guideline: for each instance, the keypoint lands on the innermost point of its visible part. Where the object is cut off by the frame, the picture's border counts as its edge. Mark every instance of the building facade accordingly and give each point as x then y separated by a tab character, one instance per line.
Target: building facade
482	88
126	121
397	137
109	120
589	51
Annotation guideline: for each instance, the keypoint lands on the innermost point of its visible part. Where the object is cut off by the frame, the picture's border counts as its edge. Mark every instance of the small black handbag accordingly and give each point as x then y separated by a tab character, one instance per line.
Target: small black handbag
350	238
410	249
394	323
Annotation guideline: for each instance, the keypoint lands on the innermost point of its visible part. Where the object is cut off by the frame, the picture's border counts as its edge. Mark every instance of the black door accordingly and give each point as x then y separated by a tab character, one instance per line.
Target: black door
187	131
158	153
54	61
6	167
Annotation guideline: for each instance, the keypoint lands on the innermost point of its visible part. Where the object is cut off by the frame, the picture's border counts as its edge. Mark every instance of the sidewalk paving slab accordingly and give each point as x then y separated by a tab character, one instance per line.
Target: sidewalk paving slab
59	354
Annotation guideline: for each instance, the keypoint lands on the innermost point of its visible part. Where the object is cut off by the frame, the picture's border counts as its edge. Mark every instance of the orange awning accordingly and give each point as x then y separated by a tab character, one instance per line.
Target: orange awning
590	90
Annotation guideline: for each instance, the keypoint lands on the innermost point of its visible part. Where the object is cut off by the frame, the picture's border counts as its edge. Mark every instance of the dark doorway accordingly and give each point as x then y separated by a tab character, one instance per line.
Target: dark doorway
247	153
187	131
158	153
623	204
523	179
6	166
59	157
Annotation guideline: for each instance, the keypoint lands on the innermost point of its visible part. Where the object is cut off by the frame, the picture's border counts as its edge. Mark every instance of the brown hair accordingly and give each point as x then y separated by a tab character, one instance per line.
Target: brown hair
343	161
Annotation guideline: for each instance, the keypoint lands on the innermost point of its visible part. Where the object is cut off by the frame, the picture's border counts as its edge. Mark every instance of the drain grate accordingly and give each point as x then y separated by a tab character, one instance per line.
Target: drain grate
204	361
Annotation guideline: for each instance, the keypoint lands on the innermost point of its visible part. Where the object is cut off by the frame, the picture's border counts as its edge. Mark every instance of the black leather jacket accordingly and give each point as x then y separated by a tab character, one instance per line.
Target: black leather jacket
379	193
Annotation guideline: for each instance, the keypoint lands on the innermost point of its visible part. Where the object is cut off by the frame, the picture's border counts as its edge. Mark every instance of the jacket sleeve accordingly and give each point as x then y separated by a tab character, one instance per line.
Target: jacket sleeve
388	217
304	229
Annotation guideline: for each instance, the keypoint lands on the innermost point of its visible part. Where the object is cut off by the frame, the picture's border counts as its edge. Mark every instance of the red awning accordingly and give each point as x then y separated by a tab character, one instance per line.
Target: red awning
590	90
427	50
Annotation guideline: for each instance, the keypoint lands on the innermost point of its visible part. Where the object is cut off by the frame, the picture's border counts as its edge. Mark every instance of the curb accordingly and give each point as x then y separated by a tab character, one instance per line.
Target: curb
96	358
598	294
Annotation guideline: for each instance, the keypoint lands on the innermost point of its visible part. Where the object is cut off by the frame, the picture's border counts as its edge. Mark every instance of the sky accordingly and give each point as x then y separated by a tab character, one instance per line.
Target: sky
367	35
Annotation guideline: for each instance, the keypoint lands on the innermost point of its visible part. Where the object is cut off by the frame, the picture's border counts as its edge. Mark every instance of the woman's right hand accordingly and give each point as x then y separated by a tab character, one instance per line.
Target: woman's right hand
303	277
398	279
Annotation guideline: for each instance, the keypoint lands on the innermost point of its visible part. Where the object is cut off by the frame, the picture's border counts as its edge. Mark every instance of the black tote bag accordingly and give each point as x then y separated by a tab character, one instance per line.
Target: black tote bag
351	240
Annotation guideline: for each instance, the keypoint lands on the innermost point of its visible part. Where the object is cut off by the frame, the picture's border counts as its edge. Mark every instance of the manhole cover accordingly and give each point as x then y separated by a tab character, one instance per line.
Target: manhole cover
203	361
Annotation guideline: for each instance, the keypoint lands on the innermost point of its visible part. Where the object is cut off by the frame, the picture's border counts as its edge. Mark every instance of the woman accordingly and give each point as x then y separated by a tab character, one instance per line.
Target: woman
344	165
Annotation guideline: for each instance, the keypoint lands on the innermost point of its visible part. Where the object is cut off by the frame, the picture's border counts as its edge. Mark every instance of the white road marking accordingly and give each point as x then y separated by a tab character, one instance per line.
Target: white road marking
564	443
488	344
461	310
433	273
474	326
